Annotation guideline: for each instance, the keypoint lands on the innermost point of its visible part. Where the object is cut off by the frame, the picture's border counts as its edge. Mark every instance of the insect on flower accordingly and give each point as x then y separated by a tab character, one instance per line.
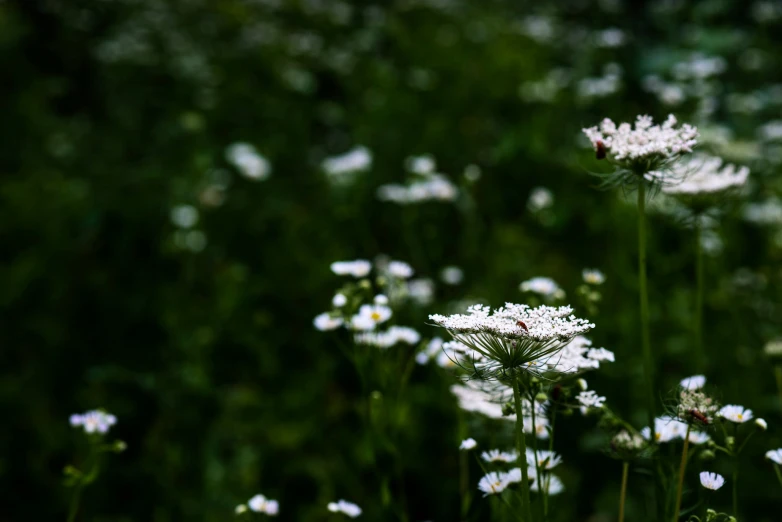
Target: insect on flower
600	150
698	415
522	325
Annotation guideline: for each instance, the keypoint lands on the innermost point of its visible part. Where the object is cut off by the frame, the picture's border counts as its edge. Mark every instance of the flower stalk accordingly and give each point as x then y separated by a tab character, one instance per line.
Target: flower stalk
623	493
682	468
521	448
644	304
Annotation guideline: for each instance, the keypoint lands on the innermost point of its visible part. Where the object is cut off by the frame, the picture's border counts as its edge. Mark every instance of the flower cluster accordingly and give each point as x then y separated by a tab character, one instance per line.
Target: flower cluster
667	429
390	337
589	399
695	406
434	187
259	504
644	148
706	175
625	443
94	421
346	508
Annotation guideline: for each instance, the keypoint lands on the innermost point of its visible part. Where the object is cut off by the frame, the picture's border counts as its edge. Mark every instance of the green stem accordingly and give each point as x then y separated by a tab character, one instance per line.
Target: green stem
75	500
700	359
779	474
550	448
521	447
682	468
464	488
778	375
736	487
623	494
538	476
644	302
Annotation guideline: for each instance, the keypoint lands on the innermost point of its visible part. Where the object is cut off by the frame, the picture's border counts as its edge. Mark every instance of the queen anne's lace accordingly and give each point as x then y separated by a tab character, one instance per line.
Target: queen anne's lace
703	175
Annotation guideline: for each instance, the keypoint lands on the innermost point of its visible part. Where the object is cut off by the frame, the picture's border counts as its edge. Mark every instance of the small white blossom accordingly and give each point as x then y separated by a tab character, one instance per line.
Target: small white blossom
549	483
358	268
543	286
248	161
421	291
261	504
433	348
94	421
496	455
593	276
468	444
540	198
698	437
380	299
399	269
696	382
340	169
452	275
735	413
775	456
493	483
589	399
343	506
241	508
713	481
339	300
703	174
392	336
546	459
421	164
666	429
761	424
325	322
184	216
369	316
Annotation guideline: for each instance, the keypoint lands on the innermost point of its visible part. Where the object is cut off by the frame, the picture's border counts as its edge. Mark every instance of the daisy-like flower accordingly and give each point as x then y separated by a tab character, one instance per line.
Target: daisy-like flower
644	148
550	484
248	161
94	421
696	382
325	322
593	276
589	399
496	455
468	444
698	437
515	337
546	459
666	429
369	316
493	483
392	336
713	481
261	504
775	456
543	286
735	413
358	268
399	269
343	506
705	176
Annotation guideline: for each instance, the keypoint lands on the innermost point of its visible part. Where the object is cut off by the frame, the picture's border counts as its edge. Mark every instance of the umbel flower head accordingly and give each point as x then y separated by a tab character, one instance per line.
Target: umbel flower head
644	152
514	338
706	181
94	421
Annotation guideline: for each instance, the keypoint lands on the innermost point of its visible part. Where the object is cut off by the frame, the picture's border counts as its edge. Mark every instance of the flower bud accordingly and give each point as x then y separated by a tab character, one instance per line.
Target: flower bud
119	446
582	384
761	424
707	455
241	508
730	442
541	397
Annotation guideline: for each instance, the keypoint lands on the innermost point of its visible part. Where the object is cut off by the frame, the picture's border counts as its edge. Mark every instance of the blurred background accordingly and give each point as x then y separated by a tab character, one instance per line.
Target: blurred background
175	186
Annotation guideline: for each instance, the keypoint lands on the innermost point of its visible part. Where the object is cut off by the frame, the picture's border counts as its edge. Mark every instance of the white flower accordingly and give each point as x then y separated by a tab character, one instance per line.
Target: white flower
247	161
496	455
380	299
540	198
392	336
340	168
698	437
369	316
339	300
761	424
582	384
589	399
492	483
666	429
325	322
696	382
421	164
703	174
94	421
713	481
600	354
549	483
735	413
261	504
468	444
399	269
433	187
546	459
513	476
543	286
433	348
184	216
452	275
775	456
421	291
644	146
593	276
358	268
343	506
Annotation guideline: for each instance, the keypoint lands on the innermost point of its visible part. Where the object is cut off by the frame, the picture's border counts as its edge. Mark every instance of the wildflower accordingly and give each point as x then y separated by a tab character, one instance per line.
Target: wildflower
392	336
452	275
241	508
358	268
421	164
775	456
468	444
695	406
339	300
698	437
343	506
550	484
248	162
543	286
644	149
713	481
600	354
325	322
421	291
589	399
496	455
706	175
380	299
340	169
433	348
492	483
696	382
735	413
513	476
577	356
399	269
666	429
433	187
369	316
761	424
261	504
94	421
540	198
593	276
546	459
628	444
582	384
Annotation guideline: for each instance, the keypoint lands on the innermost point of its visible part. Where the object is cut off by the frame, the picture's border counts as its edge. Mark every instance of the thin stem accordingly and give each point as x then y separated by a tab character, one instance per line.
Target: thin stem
682	468
550	449
698	326
74	505
644	302
736	487
464	488
521	447
778	375
779	474
538	476
623	494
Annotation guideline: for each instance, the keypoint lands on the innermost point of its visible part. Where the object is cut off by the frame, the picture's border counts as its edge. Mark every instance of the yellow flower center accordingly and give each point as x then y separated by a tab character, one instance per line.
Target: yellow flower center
739	416
375	316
